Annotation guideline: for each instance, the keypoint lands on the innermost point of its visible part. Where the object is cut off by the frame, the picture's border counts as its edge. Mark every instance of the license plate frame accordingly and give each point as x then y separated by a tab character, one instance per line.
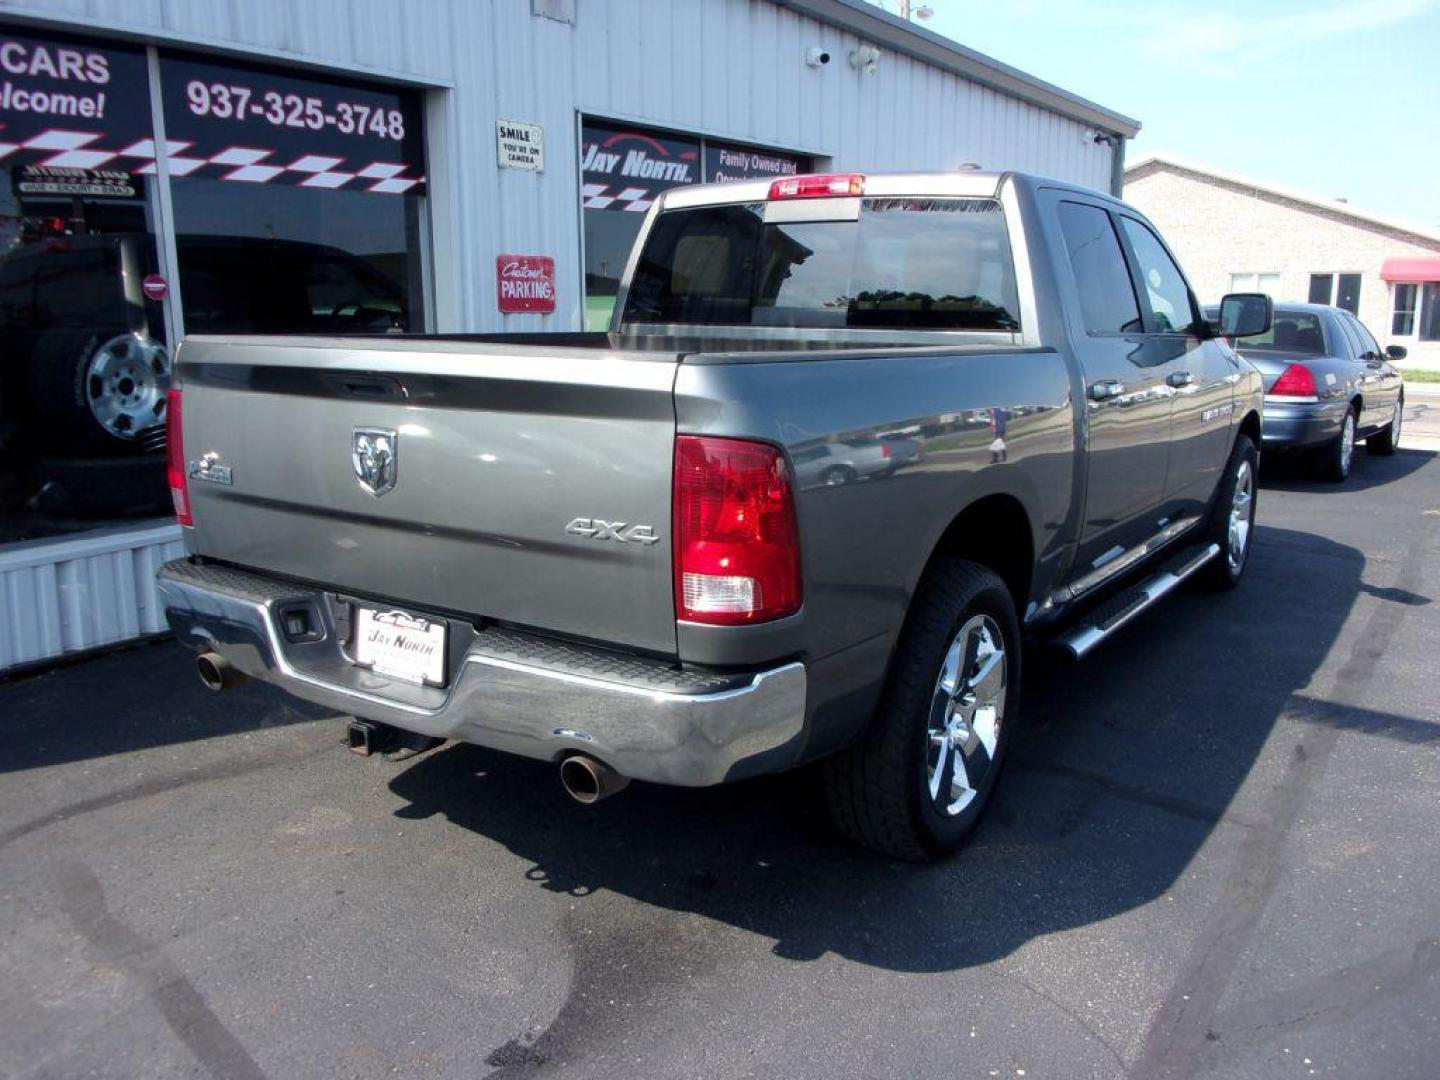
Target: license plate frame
401	645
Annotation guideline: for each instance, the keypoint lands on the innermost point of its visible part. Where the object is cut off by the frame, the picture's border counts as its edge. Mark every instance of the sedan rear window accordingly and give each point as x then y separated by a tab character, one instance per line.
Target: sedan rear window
1291	332
935	264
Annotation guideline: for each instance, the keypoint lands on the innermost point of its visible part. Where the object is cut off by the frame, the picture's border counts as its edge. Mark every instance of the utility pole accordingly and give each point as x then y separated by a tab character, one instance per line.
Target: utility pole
909	9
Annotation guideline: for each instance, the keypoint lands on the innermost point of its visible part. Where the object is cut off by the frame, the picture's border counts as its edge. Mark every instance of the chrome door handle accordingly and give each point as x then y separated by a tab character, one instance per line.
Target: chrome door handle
1178	379
1106	389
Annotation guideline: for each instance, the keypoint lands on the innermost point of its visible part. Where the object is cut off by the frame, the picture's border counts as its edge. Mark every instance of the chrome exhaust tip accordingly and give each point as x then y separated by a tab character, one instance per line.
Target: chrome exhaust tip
587	781
216	673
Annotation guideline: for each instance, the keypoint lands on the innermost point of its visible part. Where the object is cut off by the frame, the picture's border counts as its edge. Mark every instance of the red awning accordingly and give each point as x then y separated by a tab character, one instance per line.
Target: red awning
1421	268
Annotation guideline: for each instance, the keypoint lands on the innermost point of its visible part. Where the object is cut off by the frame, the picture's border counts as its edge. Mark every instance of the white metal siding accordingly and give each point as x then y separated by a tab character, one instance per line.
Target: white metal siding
724	68
74	593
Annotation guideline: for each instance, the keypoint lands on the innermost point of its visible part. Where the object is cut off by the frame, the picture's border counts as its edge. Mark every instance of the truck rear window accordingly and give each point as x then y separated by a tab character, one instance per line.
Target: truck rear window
934	264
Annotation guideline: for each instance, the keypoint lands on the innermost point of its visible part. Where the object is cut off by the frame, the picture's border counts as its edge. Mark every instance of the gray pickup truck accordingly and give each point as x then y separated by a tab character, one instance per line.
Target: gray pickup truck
598	549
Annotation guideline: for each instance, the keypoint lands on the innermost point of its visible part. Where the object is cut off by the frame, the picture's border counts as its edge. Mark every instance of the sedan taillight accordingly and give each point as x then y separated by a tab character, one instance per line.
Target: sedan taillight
1295	381
737	545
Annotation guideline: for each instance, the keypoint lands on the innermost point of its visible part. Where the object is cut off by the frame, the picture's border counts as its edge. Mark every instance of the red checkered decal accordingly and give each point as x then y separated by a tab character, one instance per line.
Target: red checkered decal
254	165
630	198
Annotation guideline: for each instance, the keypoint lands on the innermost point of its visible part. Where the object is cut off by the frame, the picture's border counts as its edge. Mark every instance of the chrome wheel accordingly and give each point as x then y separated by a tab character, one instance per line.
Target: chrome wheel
1241	502
1347	443
125	385
967	708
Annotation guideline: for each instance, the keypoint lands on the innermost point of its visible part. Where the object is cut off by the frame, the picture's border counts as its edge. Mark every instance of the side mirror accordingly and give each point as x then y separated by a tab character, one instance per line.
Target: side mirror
1244	314
1396	352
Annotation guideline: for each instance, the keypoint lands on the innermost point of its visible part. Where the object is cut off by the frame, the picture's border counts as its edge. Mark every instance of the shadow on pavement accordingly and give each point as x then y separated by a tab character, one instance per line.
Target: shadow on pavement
1121	770
133	699
1283	471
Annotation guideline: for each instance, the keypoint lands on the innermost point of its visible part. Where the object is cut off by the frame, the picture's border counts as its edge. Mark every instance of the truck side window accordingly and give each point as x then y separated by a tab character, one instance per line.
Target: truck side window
1165	287
1107	293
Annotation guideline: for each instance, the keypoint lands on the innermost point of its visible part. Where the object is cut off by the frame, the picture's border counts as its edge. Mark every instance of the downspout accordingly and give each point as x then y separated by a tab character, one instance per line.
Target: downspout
1117	164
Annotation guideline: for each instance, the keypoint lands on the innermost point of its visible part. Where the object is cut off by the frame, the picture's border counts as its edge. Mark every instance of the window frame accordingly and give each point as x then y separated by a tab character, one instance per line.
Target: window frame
1257	275
1142	292
1339	290
1368	339
1349	335
1412	312
1429	295
1116	232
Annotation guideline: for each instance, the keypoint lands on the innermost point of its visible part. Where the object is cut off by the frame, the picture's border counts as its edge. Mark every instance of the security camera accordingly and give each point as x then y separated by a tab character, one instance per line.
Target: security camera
816	57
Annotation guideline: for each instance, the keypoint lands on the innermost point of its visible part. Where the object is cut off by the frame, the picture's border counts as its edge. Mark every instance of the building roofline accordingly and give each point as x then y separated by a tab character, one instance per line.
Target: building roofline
878	26
1307	198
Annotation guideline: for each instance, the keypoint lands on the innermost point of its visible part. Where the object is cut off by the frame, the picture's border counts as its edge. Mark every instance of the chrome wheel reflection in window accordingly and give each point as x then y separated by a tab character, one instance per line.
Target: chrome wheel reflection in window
966	711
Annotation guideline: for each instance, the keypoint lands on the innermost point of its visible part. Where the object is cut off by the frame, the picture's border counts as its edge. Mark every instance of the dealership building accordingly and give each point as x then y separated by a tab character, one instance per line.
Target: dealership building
1235	233
264	166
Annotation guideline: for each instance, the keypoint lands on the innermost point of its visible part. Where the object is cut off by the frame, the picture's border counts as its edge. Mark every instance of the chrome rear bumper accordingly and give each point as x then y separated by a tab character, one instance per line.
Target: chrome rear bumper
510	691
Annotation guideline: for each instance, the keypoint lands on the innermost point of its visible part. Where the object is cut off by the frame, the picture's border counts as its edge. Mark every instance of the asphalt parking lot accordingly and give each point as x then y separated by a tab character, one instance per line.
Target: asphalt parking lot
1216	852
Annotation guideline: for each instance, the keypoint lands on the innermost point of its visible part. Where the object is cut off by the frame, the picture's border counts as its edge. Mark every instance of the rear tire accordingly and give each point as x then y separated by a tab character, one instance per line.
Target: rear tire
1387	440
918	781
1232	518
837	476
1337	459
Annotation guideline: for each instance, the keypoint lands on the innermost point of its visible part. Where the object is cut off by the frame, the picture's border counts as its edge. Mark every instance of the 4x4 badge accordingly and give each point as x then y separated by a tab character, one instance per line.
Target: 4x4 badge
595	529
375	453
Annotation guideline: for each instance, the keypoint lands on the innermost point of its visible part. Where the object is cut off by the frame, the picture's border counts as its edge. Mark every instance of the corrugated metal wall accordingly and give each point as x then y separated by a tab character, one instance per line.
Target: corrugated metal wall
77	593
725	68
730	69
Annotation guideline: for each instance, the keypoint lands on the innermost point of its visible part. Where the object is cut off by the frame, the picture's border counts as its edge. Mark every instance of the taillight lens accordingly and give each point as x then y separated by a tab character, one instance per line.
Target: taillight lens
175	459
1295	381
885	450
737	547
825	186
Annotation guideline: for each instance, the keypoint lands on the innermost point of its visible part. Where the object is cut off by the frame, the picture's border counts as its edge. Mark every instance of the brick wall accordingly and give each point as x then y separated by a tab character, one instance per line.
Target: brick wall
1217	228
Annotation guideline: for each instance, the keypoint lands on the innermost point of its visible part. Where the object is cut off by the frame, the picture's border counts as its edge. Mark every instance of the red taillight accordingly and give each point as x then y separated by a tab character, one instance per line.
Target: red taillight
885	450
1294	381
825	186
737	547
175	459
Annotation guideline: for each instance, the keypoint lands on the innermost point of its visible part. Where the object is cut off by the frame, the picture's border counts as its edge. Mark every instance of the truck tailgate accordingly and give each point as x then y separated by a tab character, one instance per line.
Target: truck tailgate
497	449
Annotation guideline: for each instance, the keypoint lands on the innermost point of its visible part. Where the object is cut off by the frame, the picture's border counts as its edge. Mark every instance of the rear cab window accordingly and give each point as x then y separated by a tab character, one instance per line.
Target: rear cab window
906	263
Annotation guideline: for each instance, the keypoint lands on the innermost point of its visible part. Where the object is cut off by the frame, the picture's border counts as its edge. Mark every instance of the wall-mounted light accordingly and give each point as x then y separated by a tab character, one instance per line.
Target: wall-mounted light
866	59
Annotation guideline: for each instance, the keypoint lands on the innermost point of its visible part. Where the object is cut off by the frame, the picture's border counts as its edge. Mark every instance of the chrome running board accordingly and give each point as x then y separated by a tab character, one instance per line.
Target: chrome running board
1110	616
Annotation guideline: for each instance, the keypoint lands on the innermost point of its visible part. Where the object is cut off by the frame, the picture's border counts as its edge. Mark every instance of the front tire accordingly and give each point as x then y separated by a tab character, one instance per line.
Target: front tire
1337	458
1232	518
917	783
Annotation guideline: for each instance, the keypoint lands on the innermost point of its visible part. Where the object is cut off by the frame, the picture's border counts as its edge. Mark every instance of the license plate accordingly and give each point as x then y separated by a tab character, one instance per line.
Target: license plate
401	646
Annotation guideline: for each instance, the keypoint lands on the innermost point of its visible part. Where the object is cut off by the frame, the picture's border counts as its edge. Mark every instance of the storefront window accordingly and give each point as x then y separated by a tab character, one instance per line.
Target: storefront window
84	364
298	201
624	168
